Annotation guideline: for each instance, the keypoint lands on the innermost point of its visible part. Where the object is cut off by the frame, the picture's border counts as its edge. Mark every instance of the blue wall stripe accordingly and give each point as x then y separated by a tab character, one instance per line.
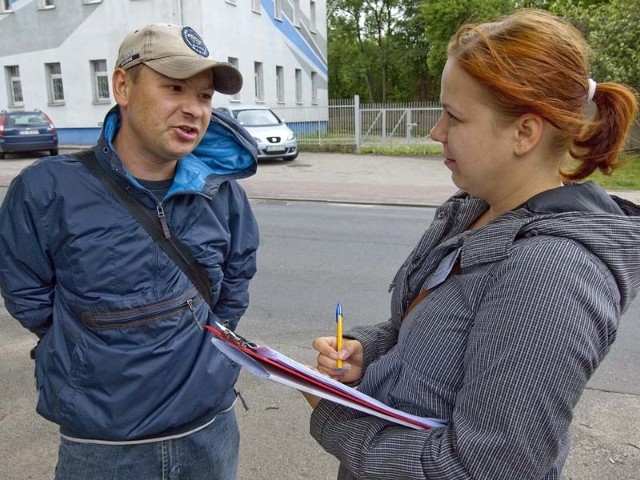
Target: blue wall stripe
291	32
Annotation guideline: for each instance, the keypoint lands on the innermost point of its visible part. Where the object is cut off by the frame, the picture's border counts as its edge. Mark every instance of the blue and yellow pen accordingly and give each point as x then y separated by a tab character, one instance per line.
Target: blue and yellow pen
339	336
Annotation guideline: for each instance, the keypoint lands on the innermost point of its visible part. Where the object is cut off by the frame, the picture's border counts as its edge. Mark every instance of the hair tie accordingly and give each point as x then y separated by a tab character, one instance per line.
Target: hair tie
592	89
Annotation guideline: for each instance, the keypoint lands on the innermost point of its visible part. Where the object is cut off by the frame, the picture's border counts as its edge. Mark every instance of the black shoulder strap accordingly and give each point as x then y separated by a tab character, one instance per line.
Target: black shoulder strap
174	248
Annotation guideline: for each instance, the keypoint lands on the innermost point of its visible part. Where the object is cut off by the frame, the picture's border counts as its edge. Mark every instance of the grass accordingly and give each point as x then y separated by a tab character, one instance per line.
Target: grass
626	177
407	150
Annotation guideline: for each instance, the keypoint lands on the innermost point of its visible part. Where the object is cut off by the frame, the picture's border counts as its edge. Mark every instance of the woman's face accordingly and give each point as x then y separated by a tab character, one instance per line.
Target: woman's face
477	140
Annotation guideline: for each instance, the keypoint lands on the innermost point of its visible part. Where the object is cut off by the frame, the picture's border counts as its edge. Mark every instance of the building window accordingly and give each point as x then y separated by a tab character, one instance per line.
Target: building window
100	79
314	88
280	84
14	85
312	15
54	83
46	4
259	81
234	61
296	13
277	9
5	6
298	86
255	6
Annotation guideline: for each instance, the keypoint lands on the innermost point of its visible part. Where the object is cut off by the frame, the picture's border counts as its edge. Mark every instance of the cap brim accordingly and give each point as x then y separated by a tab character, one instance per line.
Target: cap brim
227	79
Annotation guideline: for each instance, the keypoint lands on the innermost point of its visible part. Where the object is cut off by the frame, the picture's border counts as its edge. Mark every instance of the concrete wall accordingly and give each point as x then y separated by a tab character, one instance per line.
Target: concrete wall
74	33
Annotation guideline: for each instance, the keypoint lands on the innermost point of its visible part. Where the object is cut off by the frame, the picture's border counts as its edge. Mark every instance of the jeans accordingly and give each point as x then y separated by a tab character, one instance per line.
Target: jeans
209	454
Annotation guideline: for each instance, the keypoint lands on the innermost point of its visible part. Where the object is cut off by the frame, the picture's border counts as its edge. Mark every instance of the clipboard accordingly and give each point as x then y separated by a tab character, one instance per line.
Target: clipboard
264	362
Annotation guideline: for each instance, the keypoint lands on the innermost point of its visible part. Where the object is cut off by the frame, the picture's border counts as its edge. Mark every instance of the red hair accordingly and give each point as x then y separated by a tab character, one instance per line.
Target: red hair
534	62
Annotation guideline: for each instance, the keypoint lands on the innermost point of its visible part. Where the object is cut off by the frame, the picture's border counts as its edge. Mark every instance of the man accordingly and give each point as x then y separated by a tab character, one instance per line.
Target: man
122	363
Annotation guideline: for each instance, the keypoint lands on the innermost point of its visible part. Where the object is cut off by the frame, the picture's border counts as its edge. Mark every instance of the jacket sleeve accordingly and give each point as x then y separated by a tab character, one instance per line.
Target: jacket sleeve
541	328
240	263
27	278
376	340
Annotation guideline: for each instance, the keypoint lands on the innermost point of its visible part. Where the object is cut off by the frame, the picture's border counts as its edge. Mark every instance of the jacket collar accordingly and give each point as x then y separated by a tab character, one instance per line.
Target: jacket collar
226	152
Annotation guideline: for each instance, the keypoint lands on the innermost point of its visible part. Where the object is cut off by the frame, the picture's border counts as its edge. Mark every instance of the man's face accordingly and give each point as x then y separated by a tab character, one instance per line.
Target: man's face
163	119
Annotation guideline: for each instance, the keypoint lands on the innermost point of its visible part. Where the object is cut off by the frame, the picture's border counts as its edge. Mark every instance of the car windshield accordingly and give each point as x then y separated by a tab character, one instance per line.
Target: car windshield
25	120
253	118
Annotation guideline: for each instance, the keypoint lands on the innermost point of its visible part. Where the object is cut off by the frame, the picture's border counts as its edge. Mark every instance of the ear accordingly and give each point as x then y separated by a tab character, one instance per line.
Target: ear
529	129
121	82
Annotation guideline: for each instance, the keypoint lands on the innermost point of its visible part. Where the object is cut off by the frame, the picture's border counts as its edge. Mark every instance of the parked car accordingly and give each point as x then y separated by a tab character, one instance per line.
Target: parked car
27	131
275	139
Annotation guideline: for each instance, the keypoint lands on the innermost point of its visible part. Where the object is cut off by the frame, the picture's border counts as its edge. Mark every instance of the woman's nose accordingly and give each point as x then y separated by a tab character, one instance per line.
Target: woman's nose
437	133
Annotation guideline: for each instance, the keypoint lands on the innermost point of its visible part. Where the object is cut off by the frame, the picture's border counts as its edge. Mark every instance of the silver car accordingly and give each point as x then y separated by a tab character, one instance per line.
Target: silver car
274	138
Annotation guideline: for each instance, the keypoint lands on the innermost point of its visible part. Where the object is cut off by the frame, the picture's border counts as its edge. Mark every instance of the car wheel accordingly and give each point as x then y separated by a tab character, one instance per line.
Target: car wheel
1	155
290	159
53	152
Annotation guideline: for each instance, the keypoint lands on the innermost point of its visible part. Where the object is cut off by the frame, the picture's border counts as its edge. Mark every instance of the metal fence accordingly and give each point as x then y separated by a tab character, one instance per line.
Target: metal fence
348	122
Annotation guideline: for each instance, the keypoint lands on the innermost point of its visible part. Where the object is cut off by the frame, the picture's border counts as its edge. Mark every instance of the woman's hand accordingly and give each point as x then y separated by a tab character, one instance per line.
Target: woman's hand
351	356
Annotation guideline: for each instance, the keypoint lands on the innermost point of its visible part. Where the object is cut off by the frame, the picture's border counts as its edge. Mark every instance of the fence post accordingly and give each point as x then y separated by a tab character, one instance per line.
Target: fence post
357	117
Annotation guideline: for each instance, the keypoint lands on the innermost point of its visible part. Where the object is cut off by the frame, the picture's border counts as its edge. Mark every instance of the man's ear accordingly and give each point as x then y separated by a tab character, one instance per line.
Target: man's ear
120	81
529	129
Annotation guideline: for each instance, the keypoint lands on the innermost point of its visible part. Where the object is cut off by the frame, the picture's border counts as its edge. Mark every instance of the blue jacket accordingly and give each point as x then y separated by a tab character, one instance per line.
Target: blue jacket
121	356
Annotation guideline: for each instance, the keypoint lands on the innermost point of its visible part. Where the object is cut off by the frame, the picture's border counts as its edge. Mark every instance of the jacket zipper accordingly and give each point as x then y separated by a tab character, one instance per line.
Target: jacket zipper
143	315
163	220
193	314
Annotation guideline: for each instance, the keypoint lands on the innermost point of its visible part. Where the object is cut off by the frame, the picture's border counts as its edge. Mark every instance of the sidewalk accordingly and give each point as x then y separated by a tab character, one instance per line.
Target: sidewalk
368	179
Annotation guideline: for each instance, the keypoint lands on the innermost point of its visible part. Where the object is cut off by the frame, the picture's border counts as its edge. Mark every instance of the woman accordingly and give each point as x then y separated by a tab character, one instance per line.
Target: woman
513	295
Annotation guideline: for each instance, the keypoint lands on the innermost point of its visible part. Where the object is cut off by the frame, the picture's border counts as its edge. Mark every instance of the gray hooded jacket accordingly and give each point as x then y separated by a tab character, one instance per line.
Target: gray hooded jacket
502	351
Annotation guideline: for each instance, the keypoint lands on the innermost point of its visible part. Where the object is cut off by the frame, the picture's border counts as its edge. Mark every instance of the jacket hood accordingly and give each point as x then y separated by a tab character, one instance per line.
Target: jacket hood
226	151
605	225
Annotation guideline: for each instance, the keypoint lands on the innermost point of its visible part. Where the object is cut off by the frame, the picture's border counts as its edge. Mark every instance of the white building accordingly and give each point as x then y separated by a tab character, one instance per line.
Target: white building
58	55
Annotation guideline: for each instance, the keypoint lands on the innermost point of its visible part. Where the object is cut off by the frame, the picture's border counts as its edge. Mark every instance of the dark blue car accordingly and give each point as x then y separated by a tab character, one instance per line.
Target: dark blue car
27	131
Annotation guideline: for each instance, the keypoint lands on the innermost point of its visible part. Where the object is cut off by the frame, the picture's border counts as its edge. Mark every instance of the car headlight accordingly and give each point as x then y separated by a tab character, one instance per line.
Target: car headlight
291	137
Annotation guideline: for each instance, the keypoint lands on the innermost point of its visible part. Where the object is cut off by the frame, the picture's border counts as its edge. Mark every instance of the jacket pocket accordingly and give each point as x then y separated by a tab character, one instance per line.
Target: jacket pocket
151	313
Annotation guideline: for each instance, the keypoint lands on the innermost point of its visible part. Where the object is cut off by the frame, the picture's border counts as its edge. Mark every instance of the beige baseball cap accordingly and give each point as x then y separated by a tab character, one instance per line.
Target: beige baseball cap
176	52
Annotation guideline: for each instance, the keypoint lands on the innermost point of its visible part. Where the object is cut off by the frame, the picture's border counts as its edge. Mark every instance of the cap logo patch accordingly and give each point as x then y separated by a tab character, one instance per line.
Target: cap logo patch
194	41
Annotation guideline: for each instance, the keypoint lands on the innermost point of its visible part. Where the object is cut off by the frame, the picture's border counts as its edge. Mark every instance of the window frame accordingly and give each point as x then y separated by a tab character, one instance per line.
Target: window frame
314	88
280	84
236	63
296	14
55	83
298	83
258	81
277	9
313	28
46	4
99	79
12	76
5	6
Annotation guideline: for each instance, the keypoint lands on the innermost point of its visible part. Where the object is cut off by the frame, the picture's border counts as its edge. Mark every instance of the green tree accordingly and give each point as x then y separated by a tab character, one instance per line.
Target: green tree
612	29
369	24
442	20
395	50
